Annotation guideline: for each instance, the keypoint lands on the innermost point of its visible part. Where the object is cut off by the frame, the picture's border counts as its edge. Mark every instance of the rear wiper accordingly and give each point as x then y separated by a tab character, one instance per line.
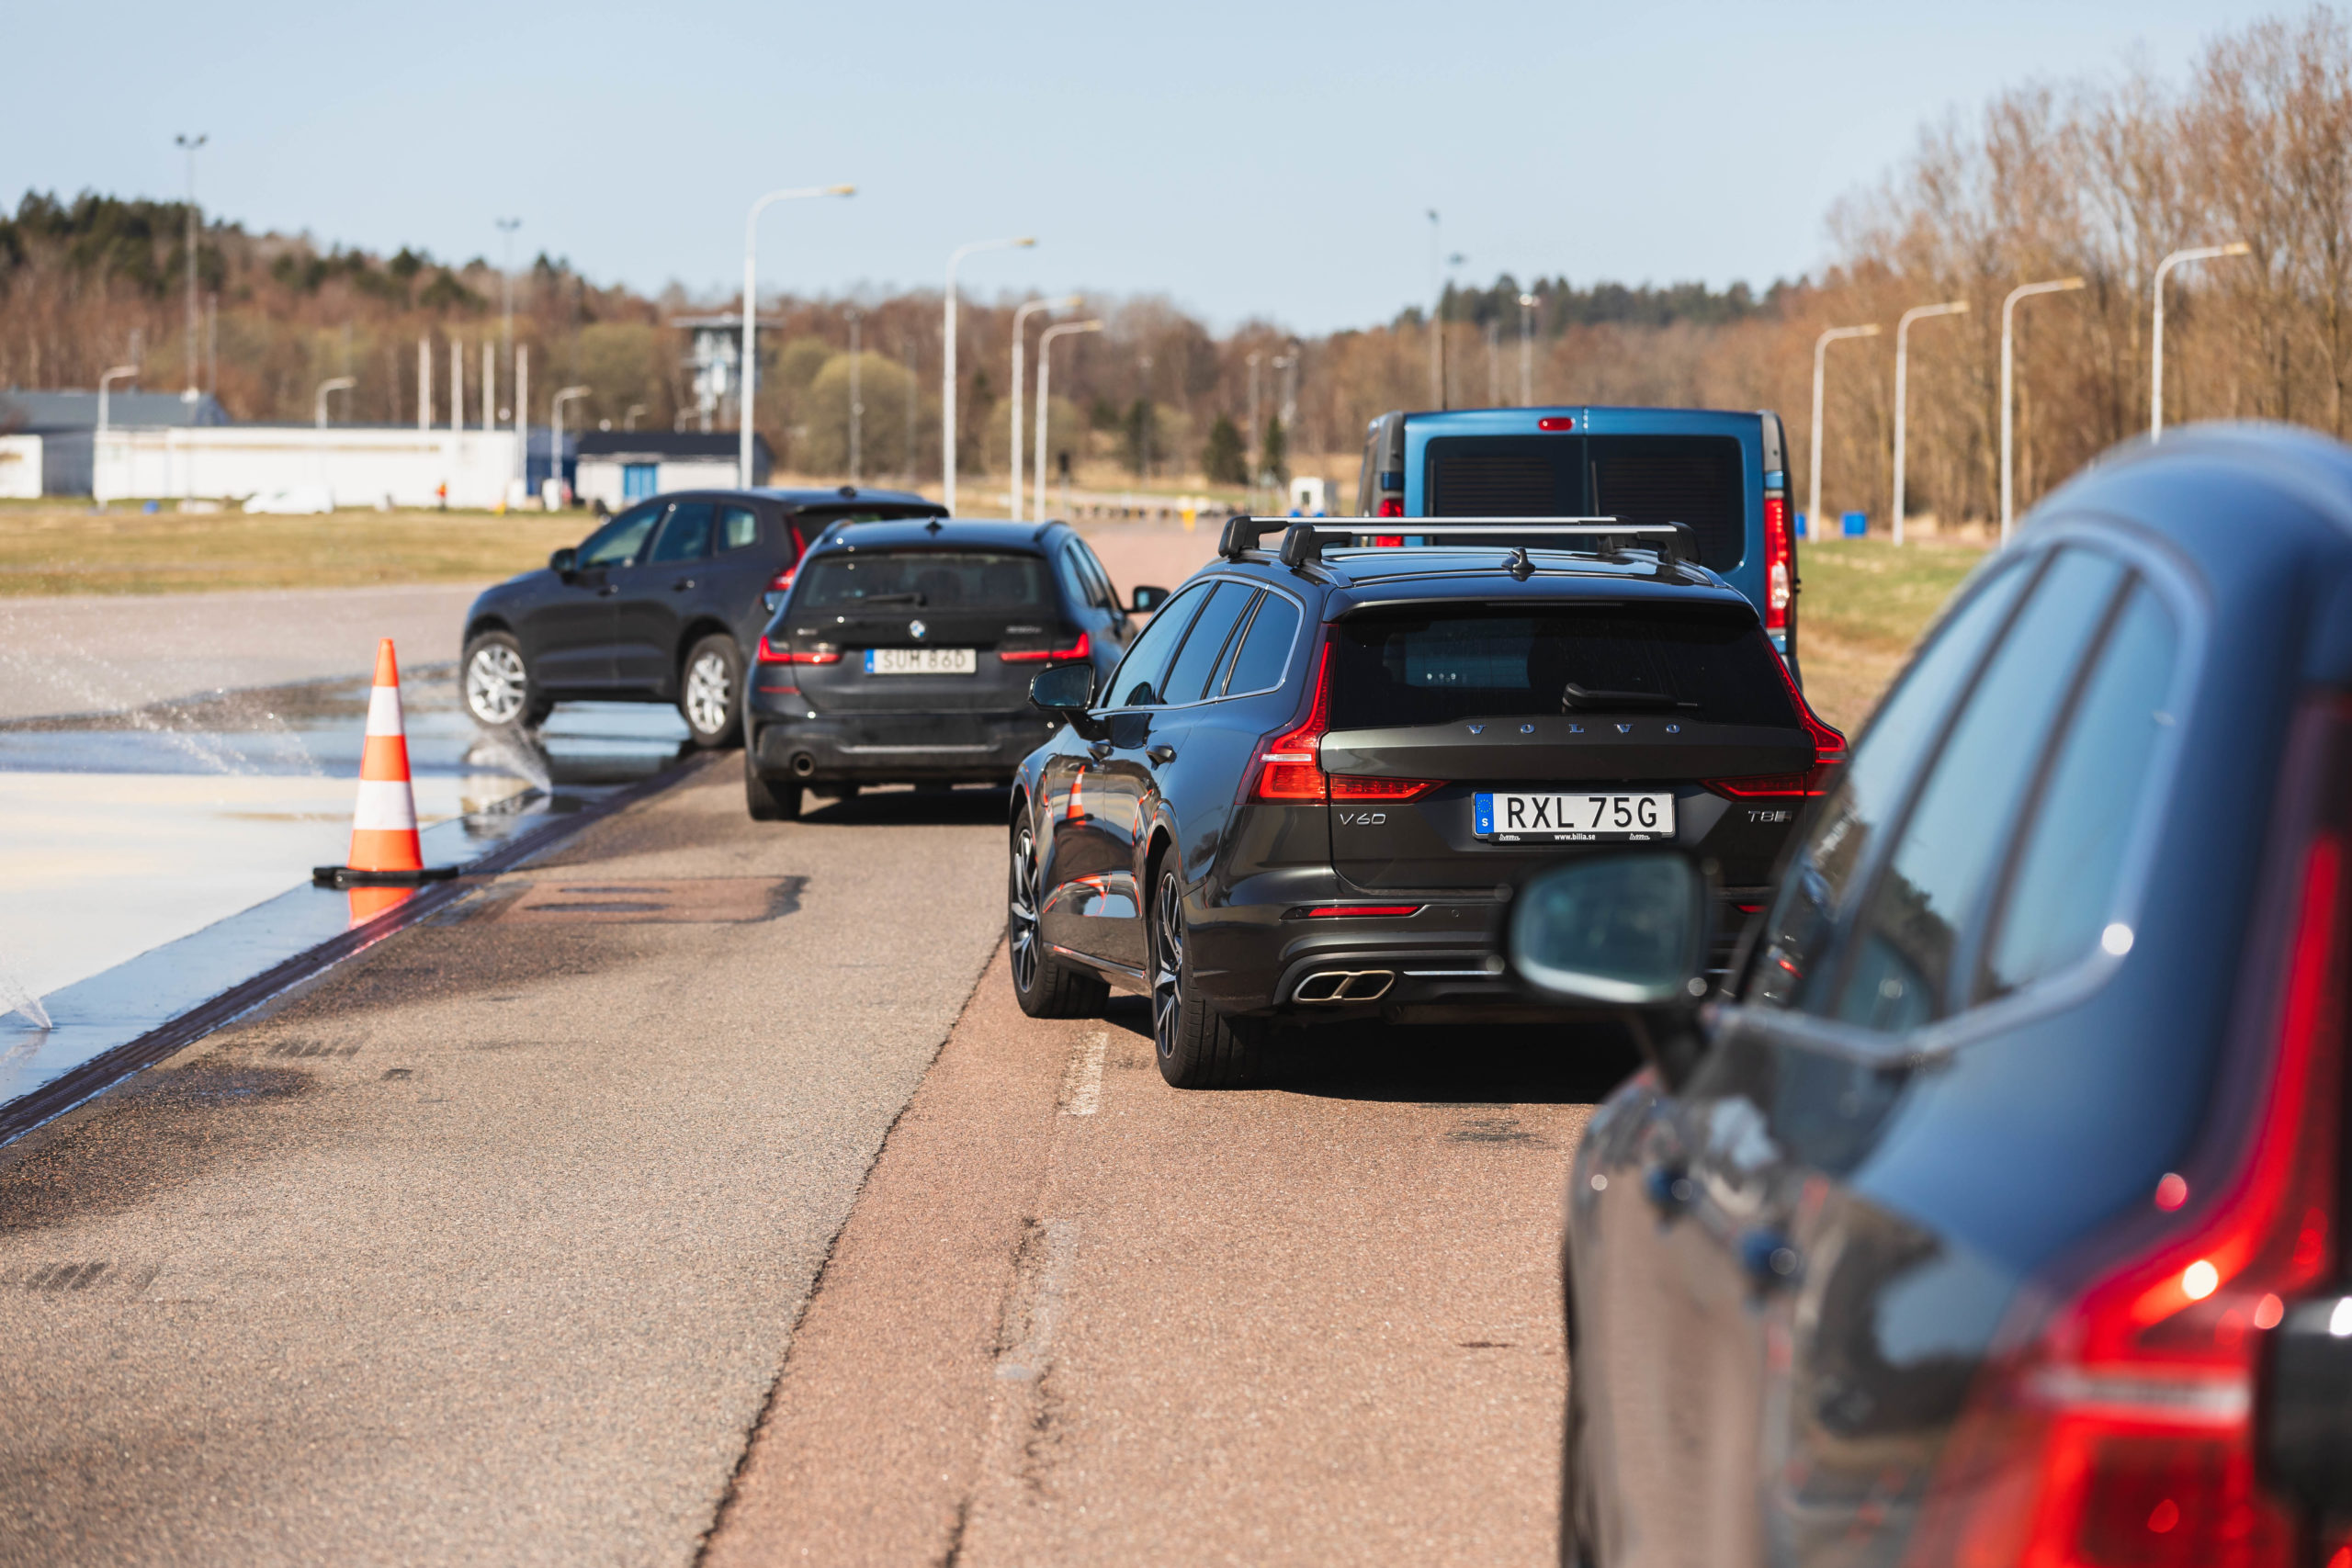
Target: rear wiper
1580	699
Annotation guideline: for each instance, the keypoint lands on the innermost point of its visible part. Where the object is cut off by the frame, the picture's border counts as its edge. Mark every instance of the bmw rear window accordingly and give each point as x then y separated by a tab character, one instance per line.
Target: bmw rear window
1700	662
926	580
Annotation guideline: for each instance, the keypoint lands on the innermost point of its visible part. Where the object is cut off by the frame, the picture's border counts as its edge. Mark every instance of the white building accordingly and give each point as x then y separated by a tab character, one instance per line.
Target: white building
355	466
617	467
20	466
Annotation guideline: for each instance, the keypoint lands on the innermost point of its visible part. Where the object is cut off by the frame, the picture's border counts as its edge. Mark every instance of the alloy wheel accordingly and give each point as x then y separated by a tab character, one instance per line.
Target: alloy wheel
494	683
1167	964
709	693
1022	907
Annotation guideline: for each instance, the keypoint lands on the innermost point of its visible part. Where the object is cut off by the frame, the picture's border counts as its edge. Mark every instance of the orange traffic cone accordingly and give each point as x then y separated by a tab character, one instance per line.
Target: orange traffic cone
384	847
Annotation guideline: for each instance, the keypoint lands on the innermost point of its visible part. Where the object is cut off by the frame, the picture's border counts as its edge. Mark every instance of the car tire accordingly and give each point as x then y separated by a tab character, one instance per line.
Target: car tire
1198	1046
495	684
1042	984
767	799
710	692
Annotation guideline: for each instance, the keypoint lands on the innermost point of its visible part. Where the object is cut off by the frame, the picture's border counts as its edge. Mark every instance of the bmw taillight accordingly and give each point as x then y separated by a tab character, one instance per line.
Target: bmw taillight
771	654
1780	562
1078	649
2118	1433
1290	766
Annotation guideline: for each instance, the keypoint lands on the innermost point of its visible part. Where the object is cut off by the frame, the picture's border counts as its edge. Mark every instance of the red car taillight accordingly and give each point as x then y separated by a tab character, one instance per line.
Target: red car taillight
782	582
1391	506
771	654
2119	1435
1828	746
1363	787
1290	767
1780	563
1040	655
1752	786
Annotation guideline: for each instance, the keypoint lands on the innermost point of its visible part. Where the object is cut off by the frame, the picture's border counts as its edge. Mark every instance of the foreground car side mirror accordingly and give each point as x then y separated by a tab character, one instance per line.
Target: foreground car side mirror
1065	691
1626	930
565	562
1144	601
2302	1406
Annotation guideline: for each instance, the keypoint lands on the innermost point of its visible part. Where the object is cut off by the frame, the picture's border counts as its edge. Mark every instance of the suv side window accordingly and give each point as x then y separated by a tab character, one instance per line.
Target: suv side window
1136	682
738	526
621	541
2064	888
1899	972
1188	678
1815	890
686	536
1264	652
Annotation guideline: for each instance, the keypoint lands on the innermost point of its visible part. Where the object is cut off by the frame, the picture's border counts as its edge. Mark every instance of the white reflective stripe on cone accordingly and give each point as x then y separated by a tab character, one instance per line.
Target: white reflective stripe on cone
385	804
384	710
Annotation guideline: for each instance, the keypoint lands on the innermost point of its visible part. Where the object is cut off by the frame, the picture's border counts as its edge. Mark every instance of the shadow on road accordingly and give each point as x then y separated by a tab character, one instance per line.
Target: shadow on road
890	808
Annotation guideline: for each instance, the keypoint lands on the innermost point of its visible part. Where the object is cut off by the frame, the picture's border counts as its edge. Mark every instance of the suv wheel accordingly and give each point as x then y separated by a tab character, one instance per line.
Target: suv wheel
1198	1046
769	800
497	684
1042	984
710	697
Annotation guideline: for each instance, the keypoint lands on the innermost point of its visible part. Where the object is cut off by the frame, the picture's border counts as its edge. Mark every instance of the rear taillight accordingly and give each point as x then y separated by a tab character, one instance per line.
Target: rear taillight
1041	655
1780	563
781	583
1360	912
1289	765
1751	786
771	654
1391	506
1828	744
1387	541
1359	786
2119	1433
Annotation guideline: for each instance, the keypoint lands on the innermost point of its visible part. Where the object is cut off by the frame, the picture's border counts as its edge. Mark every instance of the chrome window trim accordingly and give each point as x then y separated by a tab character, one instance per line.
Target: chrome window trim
1280	681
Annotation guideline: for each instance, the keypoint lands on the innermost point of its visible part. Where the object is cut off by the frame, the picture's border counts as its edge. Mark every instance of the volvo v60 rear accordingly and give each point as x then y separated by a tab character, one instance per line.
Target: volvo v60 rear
1303	794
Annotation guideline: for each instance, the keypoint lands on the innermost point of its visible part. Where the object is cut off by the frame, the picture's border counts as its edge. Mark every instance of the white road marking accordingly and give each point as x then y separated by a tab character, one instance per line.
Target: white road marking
1082	1084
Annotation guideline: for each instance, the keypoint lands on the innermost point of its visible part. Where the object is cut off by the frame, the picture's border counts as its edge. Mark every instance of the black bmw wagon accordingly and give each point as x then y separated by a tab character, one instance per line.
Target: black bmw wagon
1304	792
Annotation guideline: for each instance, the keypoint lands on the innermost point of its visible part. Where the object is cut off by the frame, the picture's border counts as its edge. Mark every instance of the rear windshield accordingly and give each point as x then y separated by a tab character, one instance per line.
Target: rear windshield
926	580
1694	662
1694	479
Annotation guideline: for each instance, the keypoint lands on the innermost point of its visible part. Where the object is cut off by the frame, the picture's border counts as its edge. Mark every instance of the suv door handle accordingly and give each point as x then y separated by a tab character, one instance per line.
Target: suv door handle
1769	1259
682	585
1161	755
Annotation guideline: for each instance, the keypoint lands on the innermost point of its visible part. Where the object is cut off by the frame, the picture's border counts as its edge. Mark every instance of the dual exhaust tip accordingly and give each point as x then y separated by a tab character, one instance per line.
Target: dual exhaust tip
1345	985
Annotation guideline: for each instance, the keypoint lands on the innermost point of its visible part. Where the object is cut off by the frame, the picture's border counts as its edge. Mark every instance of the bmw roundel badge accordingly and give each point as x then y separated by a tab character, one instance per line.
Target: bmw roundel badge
915	629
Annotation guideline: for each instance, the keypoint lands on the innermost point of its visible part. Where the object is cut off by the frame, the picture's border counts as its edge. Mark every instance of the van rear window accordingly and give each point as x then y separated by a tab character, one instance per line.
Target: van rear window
1694	662
1694	479
926	580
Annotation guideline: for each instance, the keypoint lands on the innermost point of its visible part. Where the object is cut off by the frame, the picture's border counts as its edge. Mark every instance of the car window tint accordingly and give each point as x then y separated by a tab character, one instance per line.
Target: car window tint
738	526
1953	842
1100	592
1881	764
1218	676
2064	888
1136	683
1075	586
618	542
1188	678
923	579
686	535
1265	647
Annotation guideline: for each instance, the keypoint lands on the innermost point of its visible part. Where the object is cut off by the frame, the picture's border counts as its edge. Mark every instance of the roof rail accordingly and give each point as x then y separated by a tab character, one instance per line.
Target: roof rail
1304	542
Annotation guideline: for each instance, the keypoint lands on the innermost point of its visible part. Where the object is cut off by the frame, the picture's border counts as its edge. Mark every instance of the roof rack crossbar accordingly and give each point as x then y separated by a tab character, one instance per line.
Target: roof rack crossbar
1305	541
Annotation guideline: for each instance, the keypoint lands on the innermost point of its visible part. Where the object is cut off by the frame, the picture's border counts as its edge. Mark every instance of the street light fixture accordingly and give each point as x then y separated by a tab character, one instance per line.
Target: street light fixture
1902	383
947	361
555	417
319	404
2156	364
1020	344
2008	405
1527	303
109	379
1821	348
506	227
191	144
750	379
1045	376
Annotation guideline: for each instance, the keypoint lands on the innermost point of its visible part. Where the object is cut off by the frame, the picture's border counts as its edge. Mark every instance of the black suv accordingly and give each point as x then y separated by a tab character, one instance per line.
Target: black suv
904	650
1306	791
662	604
1994	1213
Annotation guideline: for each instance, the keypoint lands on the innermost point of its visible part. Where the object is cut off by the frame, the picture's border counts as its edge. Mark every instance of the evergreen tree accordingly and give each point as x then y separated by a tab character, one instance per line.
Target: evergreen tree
1223	460
1141	437
1277	461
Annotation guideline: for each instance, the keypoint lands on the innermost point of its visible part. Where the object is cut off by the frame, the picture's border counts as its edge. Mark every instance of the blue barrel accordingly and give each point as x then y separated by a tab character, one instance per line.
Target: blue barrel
1801	533
1857	524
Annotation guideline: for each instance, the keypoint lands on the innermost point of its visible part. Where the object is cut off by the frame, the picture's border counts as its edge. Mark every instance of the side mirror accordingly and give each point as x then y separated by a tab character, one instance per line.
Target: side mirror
2302	1406
1144	601
1063	691
564	563
1624	930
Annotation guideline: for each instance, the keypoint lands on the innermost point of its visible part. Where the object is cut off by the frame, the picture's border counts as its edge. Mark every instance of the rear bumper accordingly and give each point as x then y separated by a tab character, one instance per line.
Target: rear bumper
958	746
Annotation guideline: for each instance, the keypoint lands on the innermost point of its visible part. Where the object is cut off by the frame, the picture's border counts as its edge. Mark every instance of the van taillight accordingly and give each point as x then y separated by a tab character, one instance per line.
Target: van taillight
1290	766
1391	506
2120	1435
1780	578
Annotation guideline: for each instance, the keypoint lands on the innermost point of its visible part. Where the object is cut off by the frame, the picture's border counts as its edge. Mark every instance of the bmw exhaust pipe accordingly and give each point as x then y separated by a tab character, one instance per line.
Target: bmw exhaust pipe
1345	985
803	765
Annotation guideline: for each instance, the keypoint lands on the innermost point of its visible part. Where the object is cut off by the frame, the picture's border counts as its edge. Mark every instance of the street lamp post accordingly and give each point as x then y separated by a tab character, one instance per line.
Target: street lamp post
1527	303
506	227
191	144
2156	361
319	404
1902	385
1820	349
1249	437
2008	405
555	418
1020	345
118	373
750	379
1437	304
856	400
1044	376
947	361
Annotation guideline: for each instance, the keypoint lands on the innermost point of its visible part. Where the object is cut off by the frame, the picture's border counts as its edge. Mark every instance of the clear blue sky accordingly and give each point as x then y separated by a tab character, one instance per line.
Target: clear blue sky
1264	159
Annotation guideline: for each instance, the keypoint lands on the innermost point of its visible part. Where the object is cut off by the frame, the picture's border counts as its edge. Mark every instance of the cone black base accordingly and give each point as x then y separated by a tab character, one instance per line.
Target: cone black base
344	876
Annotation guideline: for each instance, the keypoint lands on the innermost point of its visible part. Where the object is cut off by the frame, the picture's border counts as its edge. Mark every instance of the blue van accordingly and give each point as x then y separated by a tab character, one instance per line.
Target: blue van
1722	474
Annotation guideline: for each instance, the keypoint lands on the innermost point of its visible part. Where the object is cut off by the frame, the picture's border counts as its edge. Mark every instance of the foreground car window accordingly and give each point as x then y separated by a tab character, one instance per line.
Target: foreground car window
2064	886
619	542
1259	663
1967	810
1703	665
927	580
1189	676
1136	684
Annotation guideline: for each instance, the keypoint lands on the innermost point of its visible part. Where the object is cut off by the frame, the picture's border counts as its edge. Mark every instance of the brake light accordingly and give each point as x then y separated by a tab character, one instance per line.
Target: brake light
1357	786
2119	1433
1387	541
1037	655
1780	565
1391	506
1829	745
1390	912
1290	768
1815	781
771	654
1556	422
782	582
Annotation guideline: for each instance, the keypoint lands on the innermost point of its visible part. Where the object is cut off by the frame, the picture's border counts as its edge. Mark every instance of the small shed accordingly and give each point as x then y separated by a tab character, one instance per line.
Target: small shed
617	466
